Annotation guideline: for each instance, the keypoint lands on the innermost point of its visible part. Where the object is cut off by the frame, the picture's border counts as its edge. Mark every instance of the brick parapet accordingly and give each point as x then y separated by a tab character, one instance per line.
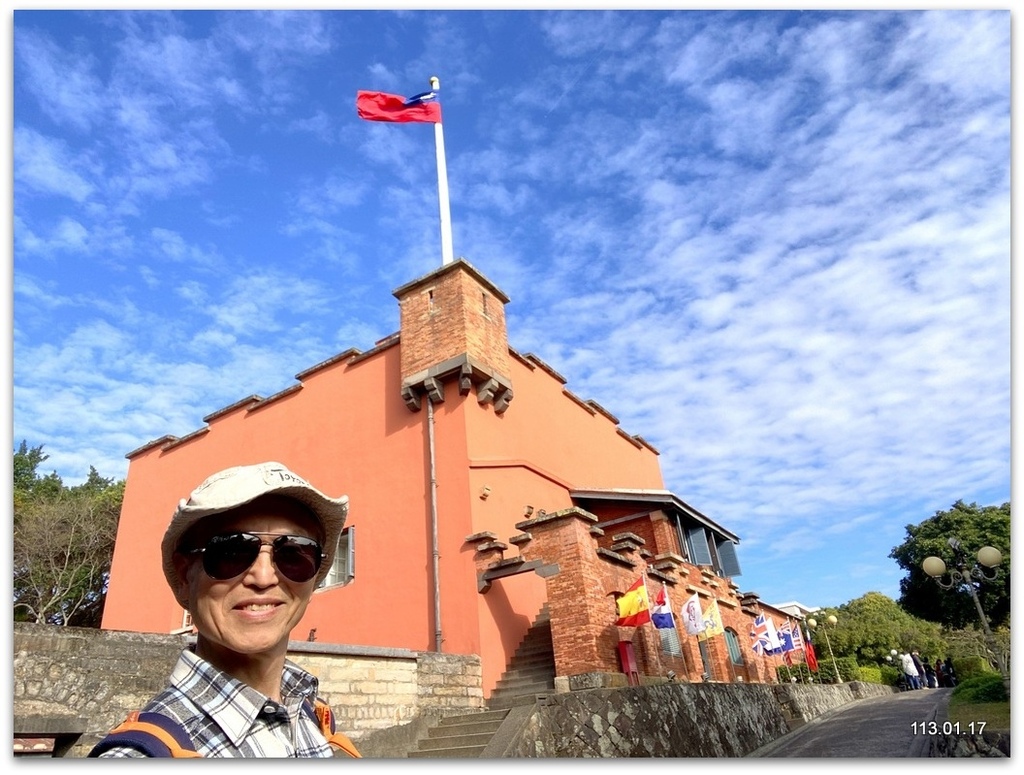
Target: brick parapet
593	564
452	312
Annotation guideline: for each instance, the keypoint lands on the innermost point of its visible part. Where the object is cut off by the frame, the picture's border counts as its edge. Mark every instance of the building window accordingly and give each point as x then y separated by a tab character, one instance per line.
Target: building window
705	658
733	645
670	641
186	624
344	568
697	546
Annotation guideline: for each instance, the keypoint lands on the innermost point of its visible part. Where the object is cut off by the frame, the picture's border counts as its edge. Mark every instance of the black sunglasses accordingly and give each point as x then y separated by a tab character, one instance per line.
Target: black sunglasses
225	556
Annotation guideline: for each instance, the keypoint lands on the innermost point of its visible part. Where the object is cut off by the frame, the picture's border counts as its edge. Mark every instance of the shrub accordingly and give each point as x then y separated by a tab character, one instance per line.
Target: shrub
890	675
970	667
785	673
871	674
982	688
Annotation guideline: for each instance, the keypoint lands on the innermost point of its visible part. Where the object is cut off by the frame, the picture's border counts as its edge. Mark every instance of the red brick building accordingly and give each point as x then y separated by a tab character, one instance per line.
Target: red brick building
480	489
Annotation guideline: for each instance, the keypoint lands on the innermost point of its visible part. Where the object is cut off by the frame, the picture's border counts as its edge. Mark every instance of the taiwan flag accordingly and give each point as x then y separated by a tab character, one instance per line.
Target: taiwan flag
380	106
809	656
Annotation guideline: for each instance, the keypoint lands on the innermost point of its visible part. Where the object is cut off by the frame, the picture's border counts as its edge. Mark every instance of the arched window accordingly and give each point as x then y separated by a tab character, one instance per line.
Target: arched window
731	643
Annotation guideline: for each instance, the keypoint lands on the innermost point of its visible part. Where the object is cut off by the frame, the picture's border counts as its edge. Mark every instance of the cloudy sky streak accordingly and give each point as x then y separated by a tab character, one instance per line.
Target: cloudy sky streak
775	245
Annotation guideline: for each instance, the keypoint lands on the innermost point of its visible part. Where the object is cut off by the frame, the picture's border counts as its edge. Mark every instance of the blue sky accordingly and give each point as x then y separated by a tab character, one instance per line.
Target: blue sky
774	244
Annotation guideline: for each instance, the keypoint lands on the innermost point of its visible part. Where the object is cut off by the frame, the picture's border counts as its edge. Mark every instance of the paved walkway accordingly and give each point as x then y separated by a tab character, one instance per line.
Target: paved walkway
880	727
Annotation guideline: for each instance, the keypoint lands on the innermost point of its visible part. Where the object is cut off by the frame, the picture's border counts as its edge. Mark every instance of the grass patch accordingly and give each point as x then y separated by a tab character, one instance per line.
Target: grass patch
996	715
981	698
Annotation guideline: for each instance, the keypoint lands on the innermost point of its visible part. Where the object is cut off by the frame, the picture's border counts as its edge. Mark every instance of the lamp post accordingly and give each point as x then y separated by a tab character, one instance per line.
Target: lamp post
983	569
813	624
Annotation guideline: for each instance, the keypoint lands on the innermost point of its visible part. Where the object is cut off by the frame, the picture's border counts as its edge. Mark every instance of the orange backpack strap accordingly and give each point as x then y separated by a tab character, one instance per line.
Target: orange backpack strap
338	741
151	733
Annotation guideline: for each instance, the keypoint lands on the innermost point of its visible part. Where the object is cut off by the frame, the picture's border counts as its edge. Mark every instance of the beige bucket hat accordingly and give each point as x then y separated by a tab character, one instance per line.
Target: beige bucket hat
237	486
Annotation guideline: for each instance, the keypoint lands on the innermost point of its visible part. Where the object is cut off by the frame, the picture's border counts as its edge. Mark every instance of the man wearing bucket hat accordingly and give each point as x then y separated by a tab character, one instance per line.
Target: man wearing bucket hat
243	555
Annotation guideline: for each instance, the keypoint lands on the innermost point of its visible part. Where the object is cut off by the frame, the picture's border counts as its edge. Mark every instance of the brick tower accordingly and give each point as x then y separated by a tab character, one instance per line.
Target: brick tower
453	329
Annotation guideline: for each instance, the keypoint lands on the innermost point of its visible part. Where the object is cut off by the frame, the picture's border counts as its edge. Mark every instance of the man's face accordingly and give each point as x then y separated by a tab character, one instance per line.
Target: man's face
251	615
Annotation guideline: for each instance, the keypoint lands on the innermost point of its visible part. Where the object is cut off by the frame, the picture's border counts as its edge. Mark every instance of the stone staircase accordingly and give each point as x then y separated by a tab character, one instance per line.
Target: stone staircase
530	677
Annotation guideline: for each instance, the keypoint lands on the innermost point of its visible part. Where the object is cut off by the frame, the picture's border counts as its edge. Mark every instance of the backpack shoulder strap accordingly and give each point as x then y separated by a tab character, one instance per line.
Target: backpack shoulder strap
321	711
154	734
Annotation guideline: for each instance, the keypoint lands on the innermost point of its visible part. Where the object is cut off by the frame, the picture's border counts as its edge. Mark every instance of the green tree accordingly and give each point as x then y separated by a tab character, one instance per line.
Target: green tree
63	542
870	626
27	482
975	526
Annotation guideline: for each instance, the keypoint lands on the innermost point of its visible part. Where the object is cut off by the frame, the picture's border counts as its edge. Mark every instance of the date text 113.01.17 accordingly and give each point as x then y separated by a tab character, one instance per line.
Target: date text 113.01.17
947	727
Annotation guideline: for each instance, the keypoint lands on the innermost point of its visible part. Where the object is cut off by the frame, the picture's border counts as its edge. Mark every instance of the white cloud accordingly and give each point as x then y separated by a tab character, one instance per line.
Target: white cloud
777	246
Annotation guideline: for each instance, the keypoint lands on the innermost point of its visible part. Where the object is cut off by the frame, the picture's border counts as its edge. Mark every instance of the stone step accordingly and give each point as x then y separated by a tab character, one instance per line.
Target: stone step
483	728
526	650
499	702
532	655
465	752
478	717
536	687
525	683
530	677
456	741
532	668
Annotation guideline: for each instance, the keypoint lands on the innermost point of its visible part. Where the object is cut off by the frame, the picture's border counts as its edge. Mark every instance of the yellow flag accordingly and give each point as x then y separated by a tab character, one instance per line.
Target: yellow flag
712	621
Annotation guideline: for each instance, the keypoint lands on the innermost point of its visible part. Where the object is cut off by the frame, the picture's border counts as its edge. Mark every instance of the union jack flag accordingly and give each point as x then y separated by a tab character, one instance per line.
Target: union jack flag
766	640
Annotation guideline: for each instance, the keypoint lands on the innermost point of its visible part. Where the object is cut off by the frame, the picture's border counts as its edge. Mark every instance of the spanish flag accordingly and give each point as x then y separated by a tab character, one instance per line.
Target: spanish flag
633	606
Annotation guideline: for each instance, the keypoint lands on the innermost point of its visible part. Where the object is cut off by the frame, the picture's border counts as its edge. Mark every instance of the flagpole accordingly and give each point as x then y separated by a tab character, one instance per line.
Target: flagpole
442	187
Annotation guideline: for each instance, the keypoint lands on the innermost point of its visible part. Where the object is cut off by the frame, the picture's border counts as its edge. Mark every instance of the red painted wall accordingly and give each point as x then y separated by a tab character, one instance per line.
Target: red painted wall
347	430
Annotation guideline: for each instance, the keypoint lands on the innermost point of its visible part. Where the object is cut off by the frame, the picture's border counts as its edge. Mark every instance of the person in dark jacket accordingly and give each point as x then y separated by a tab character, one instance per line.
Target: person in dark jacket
949	672
930	680
923	678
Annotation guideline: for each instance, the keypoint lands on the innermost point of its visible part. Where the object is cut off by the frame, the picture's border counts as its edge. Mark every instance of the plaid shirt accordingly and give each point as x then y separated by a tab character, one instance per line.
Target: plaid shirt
228	718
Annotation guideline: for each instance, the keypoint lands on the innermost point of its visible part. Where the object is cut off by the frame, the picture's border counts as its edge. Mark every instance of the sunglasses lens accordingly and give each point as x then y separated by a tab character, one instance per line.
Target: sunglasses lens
297	558
230	555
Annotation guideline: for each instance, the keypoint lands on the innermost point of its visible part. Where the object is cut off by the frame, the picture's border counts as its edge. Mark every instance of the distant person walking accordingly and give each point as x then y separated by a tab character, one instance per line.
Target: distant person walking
921	673
949	672
910	671
940	673
931	681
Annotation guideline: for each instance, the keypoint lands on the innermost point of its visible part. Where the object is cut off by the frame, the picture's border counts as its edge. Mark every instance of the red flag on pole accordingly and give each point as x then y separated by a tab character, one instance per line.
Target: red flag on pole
380	106
423	108
810	657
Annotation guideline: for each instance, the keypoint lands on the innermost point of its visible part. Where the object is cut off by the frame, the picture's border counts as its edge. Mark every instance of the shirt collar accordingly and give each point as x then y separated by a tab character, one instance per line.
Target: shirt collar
232	704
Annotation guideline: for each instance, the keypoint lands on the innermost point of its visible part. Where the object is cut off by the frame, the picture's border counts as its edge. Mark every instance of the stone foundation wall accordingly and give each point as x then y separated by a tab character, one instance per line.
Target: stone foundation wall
80	681
987	745
706	720
77	683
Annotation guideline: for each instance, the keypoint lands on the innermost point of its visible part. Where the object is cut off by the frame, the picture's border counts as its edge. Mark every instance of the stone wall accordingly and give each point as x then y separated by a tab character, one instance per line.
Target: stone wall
705	720
85	681
70	681
987	745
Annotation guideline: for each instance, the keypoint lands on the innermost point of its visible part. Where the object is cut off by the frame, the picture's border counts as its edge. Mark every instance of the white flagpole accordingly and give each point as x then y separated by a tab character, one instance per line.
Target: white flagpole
442	188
